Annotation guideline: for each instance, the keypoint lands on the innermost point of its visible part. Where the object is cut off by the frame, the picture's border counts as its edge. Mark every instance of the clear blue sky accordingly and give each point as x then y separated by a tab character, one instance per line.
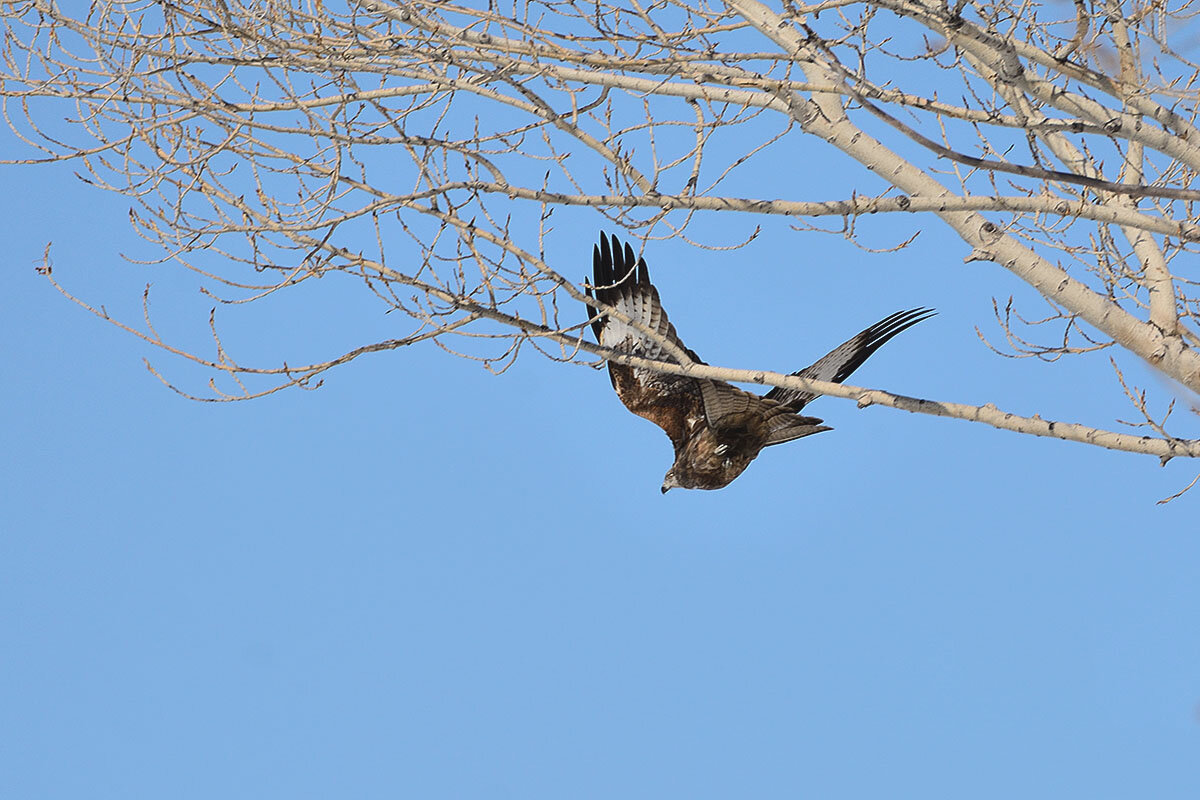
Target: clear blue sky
426	581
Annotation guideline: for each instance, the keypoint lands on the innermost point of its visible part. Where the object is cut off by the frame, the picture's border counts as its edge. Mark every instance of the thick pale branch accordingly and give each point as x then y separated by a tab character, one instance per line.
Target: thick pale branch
855	206
826	118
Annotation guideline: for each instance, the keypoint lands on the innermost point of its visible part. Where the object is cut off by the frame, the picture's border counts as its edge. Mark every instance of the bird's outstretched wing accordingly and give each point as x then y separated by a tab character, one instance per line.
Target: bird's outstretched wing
622	283
840	362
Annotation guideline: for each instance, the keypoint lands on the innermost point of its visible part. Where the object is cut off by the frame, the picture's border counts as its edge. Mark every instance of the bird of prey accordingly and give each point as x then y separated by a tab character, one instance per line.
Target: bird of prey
717	429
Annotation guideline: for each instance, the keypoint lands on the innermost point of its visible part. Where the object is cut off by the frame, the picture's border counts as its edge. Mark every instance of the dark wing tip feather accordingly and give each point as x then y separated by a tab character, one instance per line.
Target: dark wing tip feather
613	265
889	326
878	335
594	314
603	264
630	262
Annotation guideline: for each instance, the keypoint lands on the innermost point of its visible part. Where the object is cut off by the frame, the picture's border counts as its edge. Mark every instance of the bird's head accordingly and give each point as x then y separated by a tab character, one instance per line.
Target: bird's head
670	481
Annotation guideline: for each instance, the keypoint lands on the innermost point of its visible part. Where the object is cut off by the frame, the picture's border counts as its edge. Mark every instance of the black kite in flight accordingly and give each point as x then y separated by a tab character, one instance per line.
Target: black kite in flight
716	428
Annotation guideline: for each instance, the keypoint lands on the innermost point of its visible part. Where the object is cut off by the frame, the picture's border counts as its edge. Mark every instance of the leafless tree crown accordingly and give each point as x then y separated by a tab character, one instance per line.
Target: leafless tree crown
422	146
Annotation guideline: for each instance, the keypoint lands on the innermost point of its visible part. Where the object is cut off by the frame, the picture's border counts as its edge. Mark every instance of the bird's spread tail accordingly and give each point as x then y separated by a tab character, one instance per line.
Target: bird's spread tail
793	426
